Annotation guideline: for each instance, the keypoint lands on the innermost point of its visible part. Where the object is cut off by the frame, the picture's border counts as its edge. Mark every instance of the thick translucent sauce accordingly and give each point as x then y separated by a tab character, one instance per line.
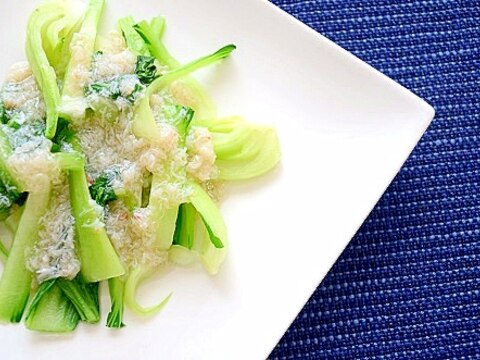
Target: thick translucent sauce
111	148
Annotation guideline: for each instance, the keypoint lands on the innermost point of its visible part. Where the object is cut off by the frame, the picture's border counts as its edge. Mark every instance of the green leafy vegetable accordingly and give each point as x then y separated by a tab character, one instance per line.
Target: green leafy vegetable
210	215
3	252
14	124
4	118
83	298
145	69
11	223
144	124
134	41
196	97
60	46
166	224
8	198
16	279
209	240
46	16
210	256
182	256
57	36
62	136
182	119
8	228
184	227
213	246
111	89
152	34
72	160
102	191
134	279
69	161
213	238
51	311
116	288
243	150
98	88
83	45
97	255
136	91
11	191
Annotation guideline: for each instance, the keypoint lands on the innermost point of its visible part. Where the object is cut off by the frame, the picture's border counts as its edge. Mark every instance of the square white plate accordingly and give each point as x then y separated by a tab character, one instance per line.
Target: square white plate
345	130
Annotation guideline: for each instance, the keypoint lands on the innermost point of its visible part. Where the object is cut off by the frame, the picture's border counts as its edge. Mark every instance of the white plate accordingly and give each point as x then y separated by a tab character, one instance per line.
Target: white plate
345	131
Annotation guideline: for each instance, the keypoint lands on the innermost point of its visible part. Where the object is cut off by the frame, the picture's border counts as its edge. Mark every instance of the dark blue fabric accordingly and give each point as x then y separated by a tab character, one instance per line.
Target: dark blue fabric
408	284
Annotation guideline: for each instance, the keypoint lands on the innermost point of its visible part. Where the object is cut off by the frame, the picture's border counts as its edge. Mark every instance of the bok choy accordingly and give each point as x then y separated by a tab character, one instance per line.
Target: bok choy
112	160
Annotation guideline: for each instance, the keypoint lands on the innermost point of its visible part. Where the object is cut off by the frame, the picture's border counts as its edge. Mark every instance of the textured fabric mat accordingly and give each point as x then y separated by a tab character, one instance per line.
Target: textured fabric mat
407	287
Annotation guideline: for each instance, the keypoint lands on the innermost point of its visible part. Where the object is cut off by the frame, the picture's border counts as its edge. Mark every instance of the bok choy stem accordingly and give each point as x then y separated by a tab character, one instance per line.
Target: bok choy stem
116	287
144	124
51	311
134	279
16	279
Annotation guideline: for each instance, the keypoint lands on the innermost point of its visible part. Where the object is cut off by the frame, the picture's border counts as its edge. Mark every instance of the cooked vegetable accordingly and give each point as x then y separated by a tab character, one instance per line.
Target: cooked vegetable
243	150
63	135
152	33
57	37
196	97
181	118
3	114
102	190
51	311
134	41
111	159
146	69
10	189
210	215
97	255
144	124
134	280
45	28
8	229
184	226
69	161
116	287
83	296
112	89
16	280
82	48
3	252
109	89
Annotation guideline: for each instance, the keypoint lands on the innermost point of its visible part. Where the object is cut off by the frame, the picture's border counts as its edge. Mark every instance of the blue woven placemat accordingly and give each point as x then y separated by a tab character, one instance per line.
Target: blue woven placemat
408	285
